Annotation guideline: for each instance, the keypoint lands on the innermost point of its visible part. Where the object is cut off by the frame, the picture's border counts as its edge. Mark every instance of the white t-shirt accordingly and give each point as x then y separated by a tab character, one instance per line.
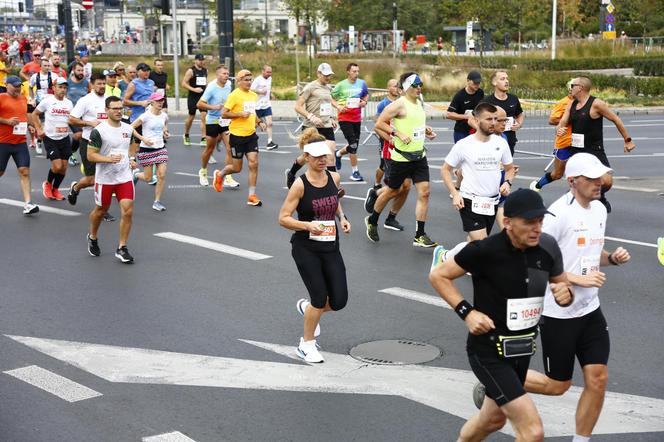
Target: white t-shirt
56	116
89	108
42	90
580	235
480	164
153	128
87	70
263	87
112	140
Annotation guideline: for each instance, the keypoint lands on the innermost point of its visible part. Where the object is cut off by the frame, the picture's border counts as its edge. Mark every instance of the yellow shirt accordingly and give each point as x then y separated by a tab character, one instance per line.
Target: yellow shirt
239	101
3	74
558	112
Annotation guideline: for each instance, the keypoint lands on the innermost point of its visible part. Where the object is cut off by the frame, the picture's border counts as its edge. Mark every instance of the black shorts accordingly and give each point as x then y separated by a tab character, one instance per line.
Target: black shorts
240	146
18	152
474	221
57	149
31	108
88	167
214	130
417	171
262	113
586	338
351	131
599	153
192	100
327	132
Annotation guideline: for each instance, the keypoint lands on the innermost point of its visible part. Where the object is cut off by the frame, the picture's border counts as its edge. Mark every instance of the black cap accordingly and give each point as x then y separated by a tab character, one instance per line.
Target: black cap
199	57
526	204
143	67
474	76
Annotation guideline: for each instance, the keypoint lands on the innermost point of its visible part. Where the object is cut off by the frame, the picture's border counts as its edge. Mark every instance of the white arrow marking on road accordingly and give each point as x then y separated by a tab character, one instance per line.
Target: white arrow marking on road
444	389
174	436
415	296
47	209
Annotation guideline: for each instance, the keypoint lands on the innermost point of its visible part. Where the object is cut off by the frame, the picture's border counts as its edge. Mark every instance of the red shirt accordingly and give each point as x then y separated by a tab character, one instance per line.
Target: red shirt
11	107
59	71
31	68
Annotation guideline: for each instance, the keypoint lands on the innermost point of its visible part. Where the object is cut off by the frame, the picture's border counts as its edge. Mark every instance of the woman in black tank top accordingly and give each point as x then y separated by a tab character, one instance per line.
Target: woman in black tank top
315	243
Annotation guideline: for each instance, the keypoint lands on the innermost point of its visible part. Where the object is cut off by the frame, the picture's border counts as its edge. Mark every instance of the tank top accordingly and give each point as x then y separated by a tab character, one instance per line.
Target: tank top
76	91
144	89
194	80
586	131
413	125
319	204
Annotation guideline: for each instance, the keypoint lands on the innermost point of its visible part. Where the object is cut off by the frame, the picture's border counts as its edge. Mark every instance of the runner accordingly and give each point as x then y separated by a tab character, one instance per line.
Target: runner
315	243
138	93
13	128
315	105
262	85
4	70
31	68
87	66
499	346
109	150
160	79
408	158
55	133
216	130
41	83
392	95
112	88
77	87
586	114
195	80
510	103
152	152
350	96
56	68
462	105
240	108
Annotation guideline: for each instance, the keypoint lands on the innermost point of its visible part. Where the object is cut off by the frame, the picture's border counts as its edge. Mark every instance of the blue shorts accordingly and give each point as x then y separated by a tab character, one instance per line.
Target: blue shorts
262	113
562	154
19	152
459	136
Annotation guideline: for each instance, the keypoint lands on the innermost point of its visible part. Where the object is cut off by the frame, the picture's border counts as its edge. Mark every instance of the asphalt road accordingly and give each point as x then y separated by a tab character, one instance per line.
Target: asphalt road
77	323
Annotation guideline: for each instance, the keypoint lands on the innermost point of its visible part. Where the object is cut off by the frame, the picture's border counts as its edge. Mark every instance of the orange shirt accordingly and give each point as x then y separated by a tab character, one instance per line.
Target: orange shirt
13	107
31	68
558	112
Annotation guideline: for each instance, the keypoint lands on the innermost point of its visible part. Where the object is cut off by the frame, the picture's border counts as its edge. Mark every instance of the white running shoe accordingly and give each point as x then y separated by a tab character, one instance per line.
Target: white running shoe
307	350
230	182
533	186
212	160
301	306
38	148
203	178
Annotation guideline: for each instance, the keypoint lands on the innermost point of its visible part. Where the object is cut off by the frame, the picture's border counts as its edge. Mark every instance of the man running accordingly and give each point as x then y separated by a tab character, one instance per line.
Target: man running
510	103
109	150
77	88
55	132
195	80
56	68
392	95
350	96
262	85
13	130
586	114
160	78
499	346
462	105
41	83
240	108
408	158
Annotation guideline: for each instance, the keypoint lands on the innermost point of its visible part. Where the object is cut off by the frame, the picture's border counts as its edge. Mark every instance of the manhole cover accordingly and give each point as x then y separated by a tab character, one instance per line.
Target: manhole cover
395	352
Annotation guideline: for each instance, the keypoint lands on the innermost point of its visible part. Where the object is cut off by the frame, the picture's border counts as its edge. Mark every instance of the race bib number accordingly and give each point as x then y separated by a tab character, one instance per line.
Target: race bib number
157	141
20	128
484	206
578	140
62	129
353	103
509	123
325	109
102	116
249	106
224	122
589	264
201	81
329	232
418	133
524	312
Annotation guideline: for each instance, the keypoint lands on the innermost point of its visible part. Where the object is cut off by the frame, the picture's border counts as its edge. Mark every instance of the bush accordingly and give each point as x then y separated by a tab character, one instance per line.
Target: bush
649	67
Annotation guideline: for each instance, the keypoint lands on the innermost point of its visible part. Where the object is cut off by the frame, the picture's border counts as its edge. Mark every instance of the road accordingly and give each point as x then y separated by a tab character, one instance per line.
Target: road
195	341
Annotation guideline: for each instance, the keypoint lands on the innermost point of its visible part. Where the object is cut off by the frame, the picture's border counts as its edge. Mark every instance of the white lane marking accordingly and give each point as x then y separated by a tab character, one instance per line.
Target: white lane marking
615	186
645	121
186	174
416	296
218	247
187	186
53	383
174	436
630	241
42	208
283	152
352	182
444	389
358	198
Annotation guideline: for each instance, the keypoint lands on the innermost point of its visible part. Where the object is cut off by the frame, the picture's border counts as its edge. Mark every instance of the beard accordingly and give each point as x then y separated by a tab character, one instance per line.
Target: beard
79	77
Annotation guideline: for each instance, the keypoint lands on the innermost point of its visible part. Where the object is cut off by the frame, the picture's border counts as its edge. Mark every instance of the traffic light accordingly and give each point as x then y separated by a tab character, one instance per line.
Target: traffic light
61	13
21	8
164	5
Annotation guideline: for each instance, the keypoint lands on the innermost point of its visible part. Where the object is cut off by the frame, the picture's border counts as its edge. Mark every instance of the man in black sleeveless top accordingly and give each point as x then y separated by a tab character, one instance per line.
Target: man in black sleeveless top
195	81
585	114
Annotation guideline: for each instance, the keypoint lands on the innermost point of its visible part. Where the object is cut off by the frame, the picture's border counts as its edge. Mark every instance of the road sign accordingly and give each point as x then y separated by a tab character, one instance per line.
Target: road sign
610	27
610	18
609	35
88	4
610	8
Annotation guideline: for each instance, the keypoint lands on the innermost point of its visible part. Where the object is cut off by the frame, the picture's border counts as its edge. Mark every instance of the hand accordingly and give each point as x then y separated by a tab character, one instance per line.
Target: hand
592	279
457	202
115	158
342	109
629	146
13	121
263	126
516	126
316	121
478	323
148	142
198	90
314	227
404	138
562	293
334	124
429	133
40	132
167	134
345	225
363	103
133	164
561	131
244	114
620	255
505	189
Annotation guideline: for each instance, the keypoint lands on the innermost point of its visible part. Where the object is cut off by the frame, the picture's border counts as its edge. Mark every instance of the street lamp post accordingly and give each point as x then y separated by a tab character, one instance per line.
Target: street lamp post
553	29
267	27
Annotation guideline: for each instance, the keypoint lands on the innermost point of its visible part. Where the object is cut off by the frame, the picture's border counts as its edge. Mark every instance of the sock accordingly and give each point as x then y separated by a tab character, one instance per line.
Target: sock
252	190
391	215
51	176
269	140
373	218
578	438
295	167
186	135
332	168
58	180
546	179
355	169
338	153
420	229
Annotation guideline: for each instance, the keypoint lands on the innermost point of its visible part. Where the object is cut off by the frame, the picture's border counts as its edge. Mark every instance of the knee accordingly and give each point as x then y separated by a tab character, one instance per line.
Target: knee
352	147
597	381
161	175
24	172
338	302
253	165
558	388
496	422
127	212
533	432
424	194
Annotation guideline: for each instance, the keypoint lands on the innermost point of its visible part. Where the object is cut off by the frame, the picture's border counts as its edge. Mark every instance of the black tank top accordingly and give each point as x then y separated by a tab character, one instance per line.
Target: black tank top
197	73
320	204
591	128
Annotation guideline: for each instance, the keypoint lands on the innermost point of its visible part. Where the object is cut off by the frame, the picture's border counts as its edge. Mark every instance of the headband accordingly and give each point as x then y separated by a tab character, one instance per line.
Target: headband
408	82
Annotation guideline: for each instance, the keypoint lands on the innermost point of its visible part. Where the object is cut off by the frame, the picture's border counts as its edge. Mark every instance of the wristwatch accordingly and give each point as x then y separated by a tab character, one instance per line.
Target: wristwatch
628	140
393	133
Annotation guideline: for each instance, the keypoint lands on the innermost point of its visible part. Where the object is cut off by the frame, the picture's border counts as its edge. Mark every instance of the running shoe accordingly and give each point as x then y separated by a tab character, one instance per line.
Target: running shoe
153	181
93	246
533	186
290	178
439	254
39	150
307	350
230	182
108	217
424	241
30	209
217	182
47	190
203	178
73	194
370	200
301	306
57	195
212	160
186	140
203	142
372	230
158	206
393	224
253	200
606	203
355	176
660	250
478	395
134	175
73	161
123	255
271	146
337	162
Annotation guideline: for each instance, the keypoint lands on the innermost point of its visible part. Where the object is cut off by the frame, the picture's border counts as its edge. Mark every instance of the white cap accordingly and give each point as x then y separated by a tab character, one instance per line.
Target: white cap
587	165
317	149
325	69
